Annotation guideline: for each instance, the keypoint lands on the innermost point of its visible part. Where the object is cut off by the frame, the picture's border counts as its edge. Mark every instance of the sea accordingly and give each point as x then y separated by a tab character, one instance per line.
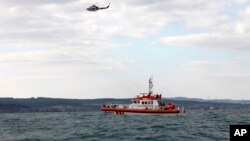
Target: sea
195	125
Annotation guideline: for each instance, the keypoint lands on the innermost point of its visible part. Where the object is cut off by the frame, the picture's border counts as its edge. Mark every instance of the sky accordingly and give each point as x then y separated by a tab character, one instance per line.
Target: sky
194	49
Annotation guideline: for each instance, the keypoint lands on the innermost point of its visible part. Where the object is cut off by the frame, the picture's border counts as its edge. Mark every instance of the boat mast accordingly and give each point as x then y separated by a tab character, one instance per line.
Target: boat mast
150	87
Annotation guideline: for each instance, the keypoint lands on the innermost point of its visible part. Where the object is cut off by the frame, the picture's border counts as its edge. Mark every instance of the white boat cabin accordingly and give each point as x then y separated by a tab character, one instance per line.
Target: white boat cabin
147	102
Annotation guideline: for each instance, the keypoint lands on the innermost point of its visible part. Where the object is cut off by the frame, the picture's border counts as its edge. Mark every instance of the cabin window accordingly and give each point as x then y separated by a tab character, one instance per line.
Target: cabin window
142	102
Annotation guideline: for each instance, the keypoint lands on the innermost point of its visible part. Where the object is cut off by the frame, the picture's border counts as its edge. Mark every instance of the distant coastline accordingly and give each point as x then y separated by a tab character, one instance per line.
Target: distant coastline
42	104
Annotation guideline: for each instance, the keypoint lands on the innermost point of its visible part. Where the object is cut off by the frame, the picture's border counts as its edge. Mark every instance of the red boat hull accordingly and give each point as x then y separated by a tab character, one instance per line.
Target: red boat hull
126	110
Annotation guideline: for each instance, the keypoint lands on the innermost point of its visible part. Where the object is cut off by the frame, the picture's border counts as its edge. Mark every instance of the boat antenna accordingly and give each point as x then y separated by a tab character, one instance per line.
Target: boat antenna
150	87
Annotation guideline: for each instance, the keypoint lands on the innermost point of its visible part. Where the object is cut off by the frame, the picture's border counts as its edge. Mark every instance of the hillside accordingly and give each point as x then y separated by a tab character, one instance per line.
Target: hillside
41	104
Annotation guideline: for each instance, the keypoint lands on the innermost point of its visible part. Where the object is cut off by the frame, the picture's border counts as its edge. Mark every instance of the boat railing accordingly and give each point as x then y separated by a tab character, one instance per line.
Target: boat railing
115	106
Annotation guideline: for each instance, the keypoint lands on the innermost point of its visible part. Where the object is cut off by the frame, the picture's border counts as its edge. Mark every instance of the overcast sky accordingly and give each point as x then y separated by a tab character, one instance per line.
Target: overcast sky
55	48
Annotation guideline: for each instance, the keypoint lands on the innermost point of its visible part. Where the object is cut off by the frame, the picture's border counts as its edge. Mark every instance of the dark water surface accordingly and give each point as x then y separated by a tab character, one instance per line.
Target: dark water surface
208	125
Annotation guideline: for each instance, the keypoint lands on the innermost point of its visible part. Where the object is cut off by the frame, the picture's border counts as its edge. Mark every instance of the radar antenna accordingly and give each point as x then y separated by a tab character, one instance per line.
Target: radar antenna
150	87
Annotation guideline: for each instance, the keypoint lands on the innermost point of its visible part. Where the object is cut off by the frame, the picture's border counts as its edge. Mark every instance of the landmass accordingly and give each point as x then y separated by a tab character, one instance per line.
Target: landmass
43	104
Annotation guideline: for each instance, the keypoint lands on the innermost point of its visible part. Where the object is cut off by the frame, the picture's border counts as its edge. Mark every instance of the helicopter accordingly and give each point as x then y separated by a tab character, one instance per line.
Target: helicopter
95	8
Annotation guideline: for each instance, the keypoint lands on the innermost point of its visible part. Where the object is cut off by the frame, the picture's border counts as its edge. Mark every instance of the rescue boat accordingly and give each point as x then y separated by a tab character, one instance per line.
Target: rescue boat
147	103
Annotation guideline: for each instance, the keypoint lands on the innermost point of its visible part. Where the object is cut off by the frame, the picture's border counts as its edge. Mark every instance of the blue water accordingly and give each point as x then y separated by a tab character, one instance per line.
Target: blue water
208	125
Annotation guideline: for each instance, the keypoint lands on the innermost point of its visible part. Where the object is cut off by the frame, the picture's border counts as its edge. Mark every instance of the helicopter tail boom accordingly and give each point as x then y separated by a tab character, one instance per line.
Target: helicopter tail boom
104	7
